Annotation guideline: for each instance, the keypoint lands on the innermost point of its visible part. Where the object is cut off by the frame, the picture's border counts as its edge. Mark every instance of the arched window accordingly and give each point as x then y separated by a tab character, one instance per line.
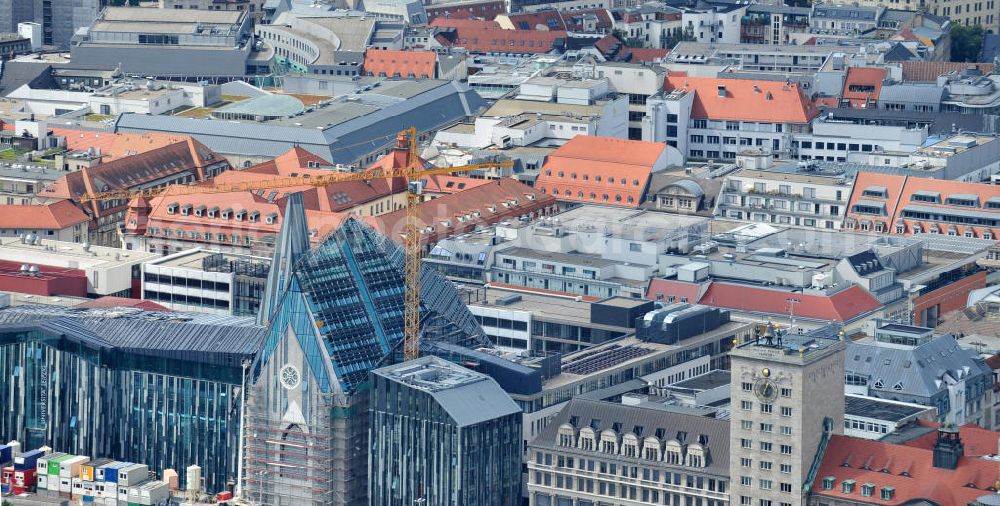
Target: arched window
293	454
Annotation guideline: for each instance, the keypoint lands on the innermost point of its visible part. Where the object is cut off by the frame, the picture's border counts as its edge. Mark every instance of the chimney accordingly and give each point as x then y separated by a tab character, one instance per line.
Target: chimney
948	448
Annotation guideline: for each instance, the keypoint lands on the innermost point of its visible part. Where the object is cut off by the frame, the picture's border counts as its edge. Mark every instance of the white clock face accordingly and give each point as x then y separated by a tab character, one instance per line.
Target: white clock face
289	376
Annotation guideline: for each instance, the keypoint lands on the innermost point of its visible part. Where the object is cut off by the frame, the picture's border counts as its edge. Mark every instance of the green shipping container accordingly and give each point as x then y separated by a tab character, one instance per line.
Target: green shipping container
54	464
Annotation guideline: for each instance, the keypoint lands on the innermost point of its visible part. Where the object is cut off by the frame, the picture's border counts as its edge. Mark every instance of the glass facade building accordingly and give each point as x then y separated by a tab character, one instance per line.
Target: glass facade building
442	435
334	312
151	387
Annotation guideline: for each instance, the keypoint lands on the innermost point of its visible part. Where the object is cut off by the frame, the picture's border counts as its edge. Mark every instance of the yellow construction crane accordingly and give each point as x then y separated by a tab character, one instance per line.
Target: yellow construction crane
412	171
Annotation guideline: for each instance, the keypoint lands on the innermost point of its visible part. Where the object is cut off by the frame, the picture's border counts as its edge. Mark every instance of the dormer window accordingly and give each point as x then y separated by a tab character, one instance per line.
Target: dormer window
240	215
227	213
213	212
172	208
199	211
828	482
270	218
186	209
254	215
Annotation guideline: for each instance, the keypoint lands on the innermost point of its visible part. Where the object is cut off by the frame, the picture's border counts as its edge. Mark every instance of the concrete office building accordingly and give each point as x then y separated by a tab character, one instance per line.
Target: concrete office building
204	281
596	452
520	320
441	434
150	387
168	42
787	403
58	19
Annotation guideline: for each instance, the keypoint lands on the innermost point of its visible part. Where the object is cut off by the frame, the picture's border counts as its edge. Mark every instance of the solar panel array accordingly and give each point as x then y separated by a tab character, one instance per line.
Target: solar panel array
603	359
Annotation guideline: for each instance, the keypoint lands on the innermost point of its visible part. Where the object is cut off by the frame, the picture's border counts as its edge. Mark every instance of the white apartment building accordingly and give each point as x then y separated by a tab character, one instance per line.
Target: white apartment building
715	24
796	197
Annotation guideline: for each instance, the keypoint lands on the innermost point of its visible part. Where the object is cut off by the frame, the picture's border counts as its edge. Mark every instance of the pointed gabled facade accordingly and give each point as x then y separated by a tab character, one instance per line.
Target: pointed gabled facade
335	312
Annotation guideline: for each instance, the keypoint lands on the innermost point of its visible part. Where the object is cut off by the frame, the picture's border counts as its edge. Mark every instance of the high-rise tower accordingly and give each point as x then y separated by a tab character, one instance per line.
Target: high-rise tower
787	400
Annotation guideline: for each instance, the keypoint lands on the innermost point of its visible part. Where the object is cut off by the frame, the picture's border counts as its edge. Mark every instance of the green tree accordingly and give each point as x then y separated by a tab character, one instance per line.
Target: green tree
966	42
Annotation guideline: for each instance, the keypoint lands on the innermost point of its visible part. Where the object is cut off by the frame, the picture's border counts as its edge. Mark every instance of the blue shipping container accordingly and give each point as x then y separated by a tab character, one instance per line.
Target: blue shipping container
111	472
27	460
6	454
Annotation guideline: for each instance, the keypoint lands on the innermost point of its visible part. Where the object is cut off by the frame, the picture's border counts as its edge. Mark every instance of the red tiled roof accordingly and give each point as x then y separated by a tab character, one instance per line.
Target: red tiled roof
463	211
475	24
488	37
978	442
843	306
663	289
173	160
298	162
609	45
600	170
846	459
863	77
551	19
53	216
647	55
389	63
445	183
745	99
994	361
115	145
466	9
110	302
927	71
900	190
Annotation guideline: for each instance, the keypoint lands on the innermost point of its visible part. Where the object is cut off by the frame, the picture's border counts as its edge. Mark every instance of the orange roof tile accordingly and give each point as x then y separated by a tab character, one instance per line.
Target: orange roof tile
843	306
978	442
54	216
600	170
115	145
462	212
900	191
863	85
444	183
488	37
928	71
745	99
129	172
647	55
390	63
909	471
475	24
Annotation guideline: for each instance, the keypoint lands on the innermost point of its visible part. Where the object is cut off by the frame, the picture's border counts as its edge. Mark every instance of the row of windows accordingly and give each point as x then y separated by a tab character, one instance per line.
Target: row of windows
748	387
766	427
598	178
691	481
195	235
218	286
765	465
765	408
191	300
838	146
593	196
765	446
766	484
712	155
748	501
